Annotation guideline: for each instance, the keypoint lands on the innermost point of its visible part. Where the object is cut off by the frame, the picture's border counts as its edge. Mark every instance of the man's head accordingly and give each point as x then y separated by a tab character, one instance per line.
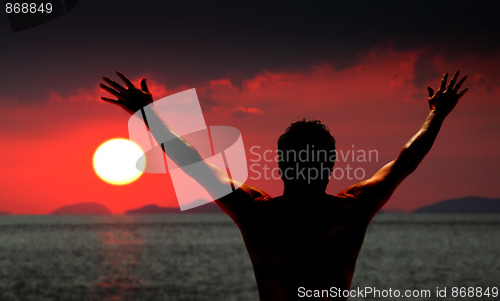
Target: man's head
306	154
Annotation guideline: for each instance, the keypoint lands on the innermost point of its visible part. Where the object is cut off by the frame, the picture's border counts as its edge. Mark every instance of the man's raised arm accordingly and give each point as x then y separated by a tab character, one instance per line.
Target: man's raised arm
373	193
178	149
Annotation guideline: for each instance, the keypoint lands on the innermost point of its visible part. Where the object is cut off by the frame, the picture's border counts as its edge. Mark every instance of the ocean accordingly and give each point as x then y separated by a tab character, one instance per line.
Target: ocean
202	257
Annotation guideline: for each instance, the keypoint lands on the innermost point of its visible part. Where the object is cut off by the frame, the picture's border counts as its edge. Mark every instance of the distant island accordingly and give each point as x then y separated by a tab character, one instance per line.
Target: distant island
82	209
471	204
4	213
155	209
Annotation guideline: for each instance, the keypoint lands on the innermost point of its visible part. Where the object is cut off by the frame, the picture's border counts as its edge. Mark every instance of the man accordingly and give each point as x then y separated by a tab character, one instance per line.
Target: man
304	239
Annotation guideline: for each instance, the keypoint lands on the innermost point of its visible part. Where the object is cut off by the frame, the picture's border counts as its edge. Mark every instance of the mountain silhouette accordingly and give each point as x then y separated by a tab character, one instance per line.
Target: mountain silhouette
155	209
470	204
82	208
4	213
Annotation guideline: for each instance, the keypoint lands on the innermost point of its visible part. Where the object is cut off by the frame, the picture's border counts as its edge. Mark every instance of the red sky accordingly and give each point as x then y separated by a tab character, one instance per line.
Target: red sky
47	146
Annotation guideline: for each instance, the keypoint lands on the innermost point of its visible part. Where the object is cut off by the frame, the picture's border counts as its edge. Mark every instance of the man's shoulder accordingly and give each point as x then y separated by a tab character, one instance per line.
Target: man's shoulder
253	193
243	197
341	201
328	200
257	194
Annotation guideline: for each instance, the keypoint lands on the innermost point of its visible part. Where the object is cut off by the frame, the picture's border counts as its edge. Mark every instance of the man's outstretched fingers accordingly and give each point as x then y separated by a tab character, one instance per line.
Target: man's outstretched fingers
110	100
144	86
442	86
110	90
114	84
463	92
431	91
453	80
125	80
457	87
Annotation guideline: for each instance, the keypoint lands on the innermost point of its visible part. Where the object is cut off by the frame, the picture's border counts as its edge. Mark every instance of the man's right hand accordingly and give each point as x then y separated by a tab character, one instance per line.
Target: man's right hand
444	100
131	99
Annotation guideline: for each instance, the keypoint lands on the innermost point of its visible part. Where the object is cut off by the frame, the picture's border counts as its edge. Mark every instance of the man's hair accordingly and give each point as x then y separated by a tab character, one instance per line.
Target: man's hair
310	135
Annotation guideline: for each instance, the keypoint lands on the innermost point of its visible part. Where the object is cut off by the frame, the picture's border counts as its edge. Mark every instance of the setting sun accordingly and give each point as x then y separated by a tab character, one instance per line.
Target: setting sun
115	161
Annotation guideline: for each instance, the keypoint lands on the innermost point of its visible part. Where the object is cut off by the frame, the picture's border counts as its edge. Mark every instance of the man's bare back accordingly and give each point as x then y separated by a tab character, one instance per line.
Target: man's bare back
292	245
304	238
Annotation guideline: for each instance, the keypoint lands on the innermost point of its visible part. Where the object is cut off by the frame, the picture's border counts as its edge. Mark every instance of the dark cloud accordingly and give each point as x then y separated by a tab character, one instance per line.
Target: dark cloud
423	69
189	42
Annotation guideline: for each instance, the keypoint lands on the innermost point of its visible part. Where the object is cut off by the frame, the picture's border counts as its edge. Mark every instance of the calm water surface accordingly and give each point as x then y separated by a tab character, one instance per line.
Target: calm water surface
202	257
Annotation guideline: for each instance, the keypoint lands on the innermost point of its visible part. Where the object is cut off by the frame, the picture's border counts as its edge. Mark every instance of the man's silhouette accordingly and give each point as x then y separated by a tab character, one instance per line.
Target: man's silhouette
304	238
